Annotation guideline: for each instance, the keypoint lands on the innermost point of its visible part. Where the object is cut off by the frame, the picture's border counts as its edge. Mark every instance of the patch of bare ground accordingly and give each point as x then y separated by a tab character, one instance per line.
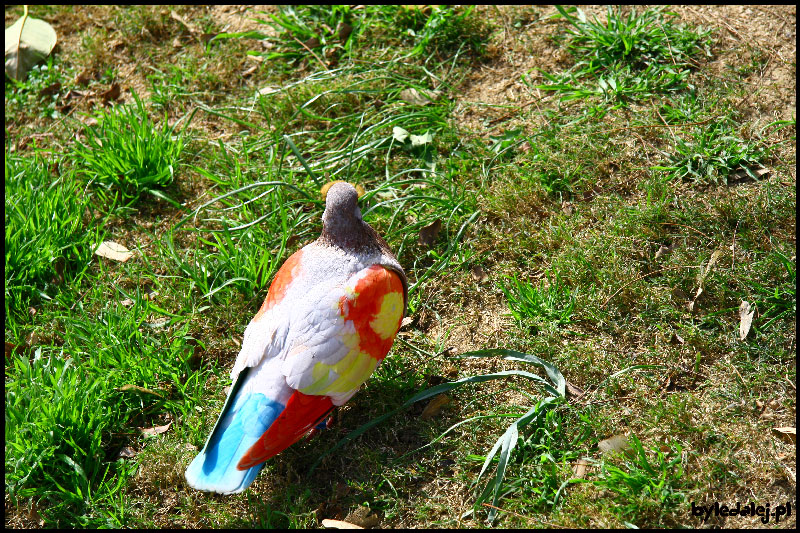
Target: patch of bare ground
495	95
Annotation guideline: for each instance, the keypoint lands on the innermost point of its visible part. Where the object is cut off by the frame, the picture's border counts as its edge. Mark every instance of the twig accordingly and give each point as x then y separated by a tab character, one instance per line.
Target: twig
665	123
301	43
644	276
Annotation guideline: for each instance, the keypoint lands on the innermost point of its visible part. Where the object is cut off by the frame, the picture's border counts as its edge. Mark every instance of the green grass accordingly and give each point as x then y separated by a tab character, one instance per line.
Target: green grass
711	153
627	58
70	409
125	154
48	243
616	187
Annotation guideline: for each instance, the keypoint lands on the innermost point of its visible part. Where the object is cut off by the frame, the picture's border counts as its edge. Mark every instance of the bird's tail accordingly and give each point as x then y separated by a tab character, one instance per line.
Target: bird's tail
244	419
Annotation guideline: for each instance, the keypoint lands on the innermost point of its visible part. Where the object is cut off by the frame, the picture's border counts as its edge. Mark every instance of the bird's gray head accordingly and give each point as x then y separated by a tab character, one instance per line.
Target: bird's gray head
341	208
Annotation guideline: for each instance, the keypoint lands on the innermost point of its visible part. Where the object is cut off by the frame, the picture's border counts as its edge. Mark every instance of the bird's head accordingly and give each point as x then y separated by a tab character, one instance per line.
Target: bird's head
341	208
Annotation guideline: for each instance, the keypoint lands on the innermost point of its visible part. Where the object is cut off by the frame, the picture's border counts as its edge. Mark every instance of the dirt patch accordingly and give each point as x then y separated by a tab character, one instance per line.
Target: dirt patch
495	95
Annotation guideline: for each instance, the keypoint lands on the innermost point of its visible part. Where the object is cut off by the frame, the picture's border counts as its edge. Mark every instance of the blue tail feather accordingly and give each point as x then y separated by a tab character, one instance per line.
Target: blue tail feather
244	418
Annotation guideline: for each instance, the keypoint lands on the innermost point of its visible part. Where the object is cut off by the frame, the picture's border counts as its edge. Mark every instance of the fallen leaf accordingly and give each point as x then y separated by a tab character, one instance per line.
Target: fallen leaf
50	90
788	434
579	468
152	432
701	277
421	140
400	135
747	174
267	90
664	249
434	406
428	234
113	250
311	42
574	391
478	273
191	29
746	313
406	321
59	265
339	524
28	41
363	516
111	94
418	97
676	339
617	443
127	452
343	30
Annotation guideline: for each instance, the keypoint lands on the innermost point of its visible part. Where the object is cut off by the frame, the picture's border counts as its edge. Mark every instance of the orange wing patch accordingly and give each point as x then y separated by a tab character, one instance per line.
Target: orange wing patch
277	289
376	309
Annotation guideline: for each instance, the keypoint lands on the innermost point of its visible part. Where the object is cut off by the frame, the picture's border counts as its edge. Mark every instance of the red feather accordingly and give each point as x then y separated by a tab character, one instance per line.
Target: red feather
302	413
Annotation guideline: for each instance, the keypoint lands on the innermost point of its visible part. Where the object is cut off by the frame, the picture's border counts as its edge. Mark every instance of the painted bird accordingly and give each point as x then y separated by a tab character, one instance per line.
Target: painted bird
329	318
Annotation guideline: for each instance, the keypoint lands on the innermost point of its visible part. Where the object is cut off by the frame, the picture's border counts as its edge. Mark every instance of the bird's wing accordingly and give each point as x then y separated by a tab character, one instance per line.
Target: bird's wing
334	347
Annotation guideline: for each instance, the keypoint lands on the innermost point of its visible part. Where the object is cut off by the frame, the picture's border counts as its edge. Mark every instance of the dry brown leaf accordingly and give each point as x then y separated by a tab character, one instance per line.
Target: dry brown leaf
478	273
742	175
111	94
86	76
746	313
788	434
701	277
406	321
152	432
339	524
127	452
434	406
343	30
50	90
428	234
264	91
663	250
363	517
573	391
418	97
113	250
617	443
579	468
